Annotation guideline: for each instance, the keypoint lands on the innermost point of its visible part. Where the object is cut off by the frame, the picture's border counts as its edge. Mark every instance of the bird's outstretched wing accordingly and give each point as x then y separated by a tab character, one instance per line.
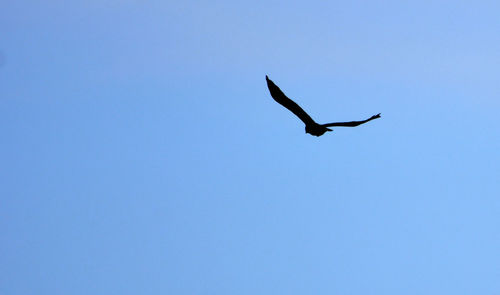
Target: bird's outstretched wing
352	123
283	100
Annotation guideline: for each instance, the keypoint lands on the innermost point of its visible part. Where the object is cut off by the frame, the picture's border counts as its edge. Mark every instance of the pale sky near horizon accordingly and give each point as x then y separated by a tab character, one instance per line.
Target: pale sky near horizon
141	152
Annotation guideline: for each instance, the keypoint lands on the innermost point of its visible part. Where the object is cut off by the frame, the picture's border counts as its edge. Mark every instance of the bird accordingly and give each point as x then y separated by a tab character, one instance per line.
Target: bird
312	127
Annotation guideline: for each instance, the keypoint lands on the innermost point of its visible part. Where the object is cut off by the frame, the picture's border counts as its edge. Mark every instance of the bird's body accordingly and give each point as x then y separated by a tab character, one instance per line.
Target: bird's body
317	129
312	127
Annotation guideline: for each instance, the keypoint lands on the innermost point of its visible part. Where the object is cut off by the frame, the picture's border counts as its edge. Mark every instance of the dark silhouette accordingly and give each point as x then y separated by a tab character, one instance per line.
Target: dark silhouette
312	127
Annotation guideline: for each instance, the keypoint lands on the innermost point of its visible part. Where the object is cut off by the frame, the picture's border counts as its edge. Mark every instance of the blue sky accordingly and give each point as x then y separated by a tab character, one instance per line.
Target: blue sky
142	153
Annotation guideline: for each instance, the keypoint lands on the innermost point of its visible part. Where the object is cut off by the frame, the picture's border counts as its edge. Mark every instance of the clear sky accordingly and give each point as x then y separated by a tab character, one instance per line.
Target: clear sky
141	152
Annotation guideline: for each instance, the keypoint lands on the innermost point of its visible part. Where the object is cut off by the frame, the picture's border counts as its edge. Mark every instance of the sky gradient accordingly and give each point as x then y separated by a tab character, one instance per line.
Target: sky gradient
141	152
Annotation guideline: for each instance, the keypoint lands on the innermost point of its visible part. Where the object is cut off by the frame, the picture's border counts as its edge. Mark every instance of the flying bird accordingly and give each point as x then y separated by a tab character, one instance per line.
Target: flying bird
312	127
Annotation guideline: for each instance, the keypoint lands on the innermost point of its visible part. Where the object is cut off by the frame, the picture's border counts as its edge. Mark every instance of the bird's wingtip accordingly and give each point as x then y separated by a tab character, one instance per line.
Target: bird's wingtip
267	78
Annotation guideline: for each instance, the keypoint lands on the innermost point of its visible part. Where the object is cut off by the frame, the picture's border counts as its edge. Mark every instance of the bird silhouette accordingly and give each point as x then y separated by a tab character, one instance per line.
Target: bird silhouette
312	127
